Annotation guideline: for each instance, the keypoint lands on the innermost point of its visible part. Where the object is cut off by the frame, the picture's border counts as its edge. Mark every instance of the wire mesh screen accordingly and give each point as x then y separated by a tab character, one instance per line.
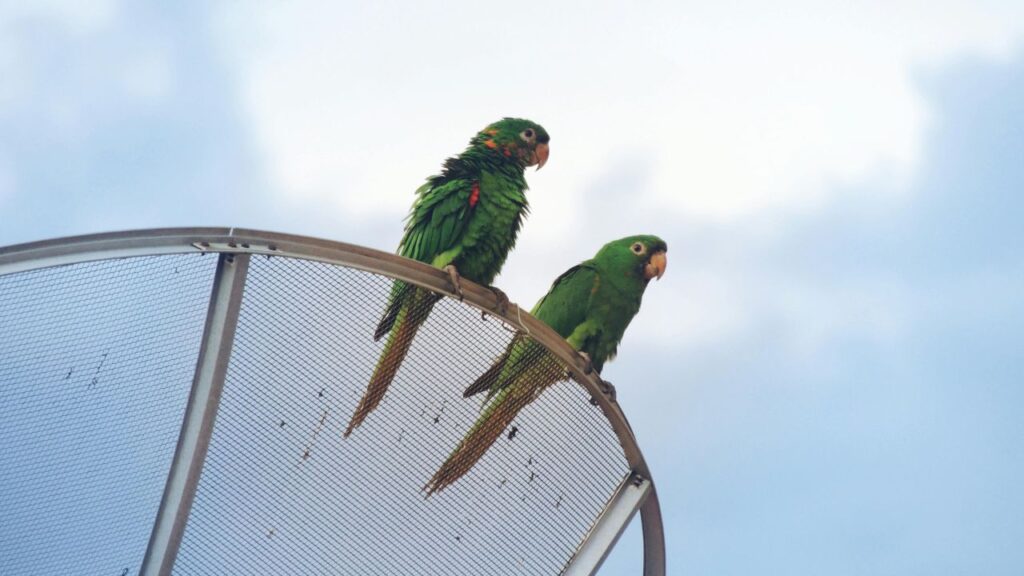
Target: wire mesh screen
96	362
283	492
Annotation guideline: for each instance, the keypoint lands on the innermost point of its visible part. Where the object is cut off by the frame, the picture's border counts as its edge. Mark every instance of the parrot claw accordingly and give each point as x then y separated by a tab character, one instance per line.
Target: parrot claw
453	274
608	388
588	365
501	302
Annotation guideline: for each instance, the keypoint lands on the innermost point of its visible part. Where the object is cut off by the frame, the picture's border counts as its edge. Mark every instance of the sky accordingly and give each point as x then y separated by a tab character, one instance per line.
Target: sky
826	379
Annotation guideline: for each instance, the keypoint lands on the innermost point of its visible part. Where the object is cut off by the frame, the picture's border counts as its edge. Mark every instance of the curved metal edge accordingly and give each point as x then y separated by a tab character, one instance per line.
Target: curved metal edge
654	535
75	249
152	242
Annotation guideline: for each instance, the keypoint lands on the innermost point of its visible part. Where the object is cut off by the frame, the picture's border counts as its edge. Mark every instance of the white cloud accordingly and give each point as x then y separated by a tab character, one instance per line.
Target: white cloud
26	86
148	76
696	308
811	317
740	113
707	304
359	103
76	17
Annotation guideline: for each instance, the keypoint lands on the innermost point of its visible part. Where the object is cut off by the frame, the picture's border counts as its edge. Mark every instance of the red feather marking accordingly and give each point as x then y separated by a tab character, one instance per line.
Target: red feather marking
474	196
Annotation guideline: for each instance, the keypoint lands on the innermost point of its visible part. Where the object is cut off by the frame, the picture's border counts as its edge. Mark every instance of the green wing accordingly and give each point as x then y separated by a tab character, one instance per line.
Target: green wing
438	221
435	225
564	308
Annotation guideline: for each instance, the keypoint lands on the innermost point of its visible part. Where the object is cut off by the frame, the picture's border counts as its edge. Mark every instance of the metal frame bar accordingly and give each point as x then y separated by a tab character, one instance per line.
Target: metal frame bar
654	535
200	413
590	554
92	247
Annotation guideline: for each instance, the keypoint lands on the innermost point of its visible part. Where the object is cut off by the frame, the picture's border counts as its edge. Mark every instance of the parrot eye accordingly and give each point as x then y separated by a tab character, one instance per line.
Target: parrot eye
638	248
527	134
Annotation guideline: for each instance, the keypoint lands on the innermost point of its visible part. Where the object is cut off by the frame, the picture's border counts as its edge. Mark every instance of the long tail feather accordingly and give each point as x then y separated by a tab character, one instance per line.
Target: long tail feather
517	358
496	417
487	379
399	294
400	338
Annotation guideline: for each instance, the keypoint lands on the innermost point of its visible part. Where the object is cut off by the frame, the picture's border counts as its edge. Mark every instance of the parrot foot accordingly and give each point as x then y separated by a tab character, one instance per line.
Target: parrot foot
608	388
501	303
453	274
588	365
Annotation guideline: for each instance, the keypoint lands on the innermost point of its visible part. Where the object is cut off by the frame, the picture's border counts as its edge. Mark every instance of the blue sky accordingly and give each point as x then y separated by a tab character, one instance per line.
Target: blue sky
838	337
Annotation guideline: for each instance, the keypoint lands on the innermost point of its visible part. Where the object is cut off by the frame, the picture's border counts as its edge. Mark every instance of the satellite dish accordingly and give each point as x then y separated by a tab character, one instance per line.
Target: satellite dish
174	400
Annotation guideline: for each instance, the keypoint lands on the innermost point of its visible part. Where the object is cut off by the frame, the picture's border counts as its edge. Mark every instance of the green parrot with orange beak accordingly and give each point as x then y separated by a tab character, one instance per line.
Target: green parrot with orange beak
464	220
590	305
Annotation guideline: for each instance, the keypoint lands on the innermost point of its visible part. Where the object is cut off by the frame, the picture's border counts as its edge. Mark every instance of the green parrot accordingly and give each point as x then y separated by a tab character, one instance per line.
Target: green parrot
589	305
464	220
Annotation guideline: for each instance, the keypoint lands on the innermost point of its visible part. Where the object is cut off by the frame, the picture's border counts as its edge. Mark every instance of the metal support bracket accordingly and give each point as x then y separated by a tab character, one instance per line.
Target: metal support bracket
197	427
595	547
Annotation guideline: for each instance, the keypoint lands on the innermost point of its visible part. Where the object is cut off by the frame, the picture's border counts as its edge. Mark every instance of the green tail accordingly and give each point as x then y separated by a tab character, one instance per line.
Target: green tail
496	417
403	320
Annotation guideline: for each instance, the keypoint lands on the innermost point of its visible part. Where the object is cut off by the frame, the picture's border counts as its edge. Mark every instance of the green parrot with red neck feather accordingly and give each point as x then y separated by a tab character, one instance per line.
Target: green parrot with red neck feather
464	220
590	305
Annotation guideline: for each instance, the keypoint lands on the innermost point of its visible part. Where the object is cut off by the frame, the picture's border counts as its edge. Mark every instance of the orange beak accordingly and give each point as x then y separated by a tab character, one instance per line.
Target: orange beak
540	155
656	266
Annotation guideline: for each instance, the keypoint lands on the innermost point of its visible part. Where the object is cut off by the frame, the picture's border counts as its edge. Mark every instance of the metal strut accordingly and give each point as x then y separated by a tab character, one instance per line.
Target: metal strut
197	427
595	547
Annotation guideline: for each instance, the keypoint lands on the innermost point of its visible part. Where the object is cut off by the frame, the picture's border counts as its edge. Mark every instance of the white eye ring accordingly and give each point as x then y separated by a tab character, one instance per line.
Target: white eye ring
638	248
528	135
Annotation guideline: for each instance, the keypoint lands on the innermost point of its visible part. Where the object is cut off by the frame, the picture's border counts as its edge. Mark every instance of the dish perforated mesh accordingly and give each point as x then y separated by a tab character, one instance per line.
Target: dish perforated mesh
283	492
96	365
96	362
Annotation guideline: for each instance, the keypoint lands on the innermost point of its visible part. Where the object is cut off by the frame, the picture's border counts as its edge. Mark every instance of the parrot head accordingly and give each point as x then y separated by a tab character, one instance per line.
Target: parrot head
524	141
636	256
